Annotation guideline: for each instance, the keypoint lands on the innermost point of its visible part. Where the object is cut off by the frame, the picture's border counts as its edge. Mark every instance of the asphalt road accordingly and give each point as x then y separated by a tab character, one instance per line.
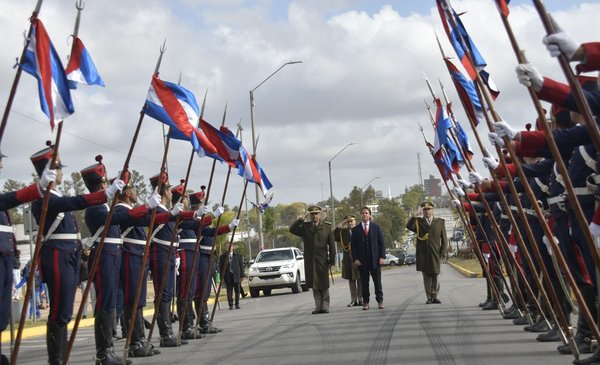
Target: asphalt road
281	330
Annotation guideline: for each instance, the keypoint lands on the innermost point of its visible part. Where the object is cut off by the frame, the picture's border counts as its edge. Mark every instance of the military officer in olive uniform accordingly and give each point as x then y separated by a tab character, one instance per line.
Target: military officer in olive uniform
432	244
319	254
343	235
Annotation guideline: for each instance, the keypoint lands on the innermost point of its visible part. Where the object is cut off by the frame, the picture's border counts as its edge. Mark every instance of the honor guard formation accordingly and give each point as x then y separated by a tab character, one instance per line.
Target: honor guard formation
534	223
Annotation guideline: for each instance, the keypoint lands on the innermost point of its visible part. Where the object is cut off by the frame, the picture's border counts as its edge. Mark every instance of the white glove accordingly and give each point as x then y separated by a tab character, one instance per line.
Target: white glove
202	210
464	183
490	163
528	75
117	185
177	208
458	191
547	243
234	223
513	248
592	182
475	178
495	139
456	203
47	177
218	211
154	200
503	129
560	41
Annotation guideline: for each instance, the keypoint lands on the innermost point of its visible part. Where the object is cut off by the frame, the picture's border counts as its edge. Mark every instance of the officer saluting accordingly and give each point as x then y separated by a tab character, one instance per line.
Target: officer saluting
431	247
60	253
8	242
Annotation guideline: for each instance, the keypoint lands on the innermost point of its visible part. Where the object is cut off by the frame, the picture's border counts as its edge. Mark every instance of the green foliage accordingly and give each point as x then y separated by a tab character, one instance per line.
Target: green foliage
412	198
15	214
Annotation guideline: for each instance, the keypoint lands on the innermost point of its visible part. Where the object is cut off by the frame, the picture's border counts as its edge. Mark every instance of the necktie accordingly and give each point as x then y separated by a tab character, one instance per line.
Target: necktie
366	229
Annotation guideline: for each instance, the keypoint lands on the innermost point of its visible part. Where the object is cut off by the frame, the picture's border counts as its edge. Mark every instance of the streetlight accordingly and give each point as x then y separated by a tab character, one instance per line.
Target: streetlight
364	186
331	184
260	225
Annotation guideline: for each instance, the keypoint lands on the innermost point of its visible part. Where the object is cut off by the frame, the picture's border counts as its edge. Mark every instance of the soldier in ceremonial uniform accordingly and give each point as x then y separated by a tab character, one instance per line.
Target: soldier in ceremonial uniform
206	269
134	241
186	250
319	254
343	235
60	253
8	241
432	244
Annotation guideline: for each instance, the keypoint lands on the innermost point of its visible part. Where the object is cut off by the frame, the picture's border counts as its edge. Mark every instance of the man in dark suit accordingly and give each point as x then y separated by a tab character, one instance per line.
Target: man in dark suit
432	244
368	253
231	266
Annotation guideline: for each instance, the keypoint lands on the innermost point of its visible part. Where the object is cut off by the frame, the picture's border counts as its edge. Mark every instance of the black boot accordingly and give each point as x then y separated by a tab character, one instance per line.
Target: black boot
206	326
190	332
165	327
582	339
140	325
55	343
135	345
493	304
104	326
488	296
540	326
594	359
551	336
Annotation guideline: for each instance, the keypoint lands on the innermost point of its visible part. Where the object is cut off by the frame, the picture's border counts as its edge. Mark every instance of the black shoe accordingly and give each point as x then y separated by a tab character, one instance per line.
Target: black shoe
139	352
490	306
429	301
551	336
352	303
191	335
244	295
210	330
324	311
436	301
521	321
511	314
539	326
358	304
584	346
487	301
594	359
237	306
168	342
315	312
230	307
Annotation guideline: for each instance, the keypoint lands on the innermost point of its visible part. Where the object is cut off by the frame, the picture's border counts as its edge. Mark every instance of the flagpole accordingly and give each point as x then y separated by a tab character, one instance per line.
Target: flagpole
493	286
13	89
100	245
226	267
165	273
481	90
38	247
511	265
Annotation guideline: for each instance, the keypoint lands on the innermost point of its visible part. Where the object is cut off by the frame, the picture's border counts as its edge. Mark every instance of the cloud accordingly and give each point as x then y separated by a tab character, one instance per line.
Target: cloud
360	81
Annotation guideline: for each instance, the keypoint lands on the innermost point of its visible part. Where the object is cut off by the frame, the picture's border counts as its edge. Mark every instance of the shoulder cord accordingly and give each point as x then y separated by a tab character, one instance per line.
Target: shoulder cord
347	247
423	238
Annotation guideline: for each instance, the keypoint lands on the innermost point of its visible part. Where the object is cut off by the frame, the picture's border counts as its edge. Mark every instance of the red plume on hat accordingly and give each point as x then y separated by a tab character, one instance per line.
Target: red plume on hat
178	191
197	197
164	179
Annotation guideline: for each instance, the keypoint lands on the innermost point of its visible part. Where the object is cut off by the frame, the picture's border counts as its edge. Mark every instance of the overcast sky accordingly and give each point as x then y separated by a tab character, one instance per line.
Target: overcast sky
360	81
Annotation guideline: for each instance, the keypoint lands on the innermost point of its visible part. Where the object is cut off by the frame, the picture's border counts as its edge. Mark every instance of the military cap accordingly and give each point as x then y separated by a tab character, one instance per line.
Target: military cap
40	159
196	198
427	205
165	180
314	209
349	216
126	179
94	175
178	191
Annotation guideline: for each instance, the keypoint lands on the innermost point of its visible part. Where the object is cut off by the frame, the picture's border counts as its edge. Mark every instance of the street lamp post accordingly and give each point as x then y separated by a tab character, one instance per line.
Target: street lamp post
260	224
331	184
364	186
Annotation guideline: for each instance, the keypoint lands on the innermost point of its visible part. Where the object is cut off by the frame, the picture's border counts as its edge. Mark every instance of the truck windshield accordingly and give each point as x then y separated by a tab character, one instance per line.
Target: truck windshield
275	256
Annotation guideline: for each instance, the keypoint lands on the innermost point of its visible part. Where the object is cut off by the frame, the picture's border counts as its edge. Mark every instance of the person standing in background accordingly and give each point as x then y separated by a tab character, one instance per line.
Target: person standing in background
343	235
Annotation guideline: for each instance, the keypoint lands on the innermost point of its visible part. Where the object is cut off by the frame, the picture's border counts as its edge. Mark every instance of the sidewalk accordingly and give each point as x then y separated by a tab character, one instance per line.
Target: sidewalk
38	328
465	272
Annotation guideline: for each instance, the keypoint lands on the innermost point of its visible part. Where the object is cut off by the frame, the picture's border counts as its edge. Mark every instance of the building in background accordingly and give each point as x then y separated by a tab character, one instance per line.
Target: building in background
432	186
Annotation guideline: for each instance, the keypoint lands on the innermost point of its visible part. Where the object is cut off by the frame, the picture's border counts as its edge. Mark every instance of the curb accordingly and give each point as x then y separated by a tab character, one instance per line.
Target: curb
465	272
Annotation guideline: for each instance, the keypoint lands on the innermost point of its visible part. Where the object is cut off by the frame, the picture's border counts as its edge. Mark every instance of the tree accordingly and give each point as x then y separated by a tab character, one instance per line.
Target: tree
139	184
268	220
413	197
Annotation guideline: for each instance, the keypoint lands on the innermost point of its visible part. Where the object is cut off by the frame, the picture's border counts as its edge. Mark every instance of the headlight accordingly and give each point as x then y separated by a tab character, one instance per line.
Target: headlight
288	266
253	269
